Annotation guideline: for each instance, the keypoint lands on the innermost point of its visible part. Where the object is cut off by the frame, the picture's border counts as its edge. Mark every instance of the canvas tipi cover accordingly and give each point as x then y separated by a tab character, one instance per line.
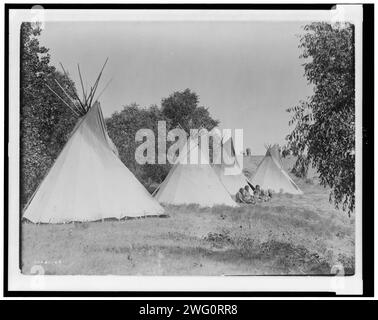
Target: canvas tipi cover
276	154
88	181
193	183
231	175
271	175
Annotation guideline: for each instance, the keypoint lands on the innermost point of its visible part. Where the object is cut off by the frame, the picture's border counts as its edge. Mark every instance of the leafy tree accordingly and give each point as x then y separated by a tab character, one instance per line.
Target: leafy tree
179	109
182	109
45	121
324	132
122	127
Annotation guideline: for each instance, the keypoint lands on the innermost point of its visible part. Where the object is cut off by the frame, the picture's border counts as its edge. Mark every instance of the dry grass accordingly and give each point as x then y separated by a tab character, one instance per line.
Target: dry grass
289	235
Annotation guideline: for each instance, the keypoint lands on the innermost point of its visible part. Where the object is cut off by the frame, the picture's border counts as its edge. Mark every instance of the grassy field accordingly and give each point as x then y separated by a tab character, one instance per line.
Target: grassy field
288	235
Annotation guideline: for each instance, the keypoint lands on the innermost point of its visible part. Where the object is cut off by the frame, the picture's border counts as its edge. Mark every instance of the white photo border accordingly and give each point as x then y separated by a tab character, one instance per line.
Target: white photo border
20	282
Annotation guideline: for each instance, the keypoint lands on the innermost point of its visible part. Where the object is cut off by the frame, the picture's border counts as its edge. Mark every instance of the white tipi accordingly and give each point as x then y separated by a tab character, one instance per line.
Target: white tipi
231	175
88	181
193	183
276	154
271	175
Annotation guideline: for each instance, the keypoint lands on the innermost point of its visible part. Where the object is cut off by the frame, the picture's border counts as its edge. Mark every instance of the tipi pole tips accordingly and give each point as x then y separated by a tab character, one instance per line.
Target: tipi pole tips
82	84
102	91
96	83
80	106
60	98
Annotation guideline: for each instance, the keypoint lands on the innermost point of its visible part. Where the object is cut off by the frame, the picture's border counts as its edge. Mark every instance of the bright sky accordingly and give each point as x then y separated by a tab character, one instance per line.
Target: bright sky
247	73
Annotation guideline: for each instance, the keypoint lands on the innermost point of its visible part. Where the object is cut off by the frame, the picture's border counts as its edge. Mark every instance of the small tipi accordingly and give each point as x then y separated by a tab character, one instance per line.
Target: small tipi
88	181
271	175
193	183
231	175
276	153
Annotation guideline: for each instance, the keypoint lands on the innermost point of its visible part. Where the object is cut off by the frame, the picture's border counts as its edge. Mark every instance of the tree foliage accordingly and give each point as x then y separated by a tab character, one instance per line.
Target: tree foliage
122	127
181	107
324	132
45	121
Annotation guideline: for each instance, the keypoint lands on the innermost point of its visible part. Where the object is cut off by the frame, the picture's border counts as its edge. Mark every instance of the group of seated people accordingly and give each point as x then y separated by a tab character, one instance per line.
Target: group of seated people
258	194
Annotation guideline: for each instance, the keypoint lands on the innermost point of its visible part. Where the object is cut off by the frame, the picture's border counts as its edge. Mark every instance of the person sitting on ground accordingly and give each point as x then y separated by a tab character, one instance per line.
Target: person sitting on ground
265	195
257	192
247	196
239	196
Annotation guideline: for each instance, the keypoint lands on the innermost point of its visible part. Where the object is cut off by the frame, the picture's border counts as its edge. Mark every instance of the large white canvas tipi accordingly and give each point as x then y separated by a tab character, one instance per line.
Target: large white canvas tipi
231	175
271	175
193	184
88	181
